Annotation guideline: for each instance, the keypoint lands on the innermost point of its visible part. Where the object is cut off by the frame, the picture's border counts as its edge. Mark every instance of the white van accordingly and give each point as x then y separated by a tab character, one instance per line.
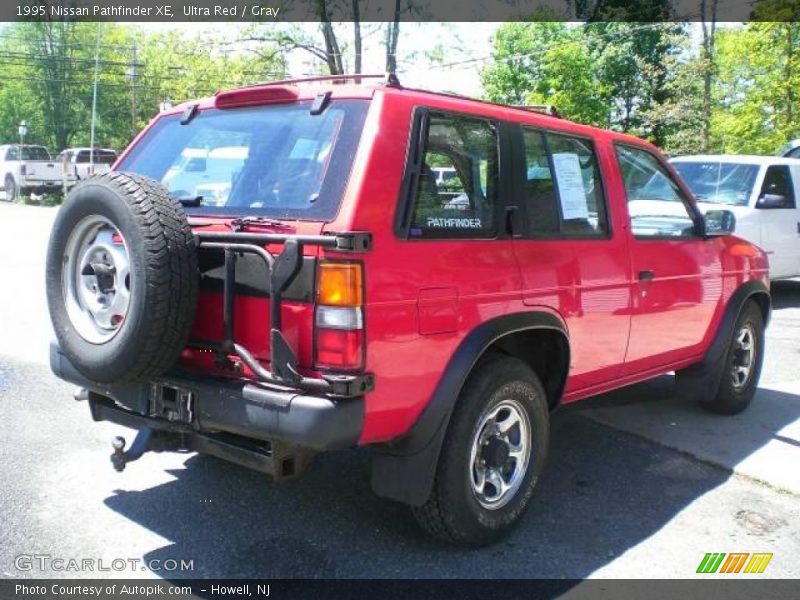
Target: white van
762	192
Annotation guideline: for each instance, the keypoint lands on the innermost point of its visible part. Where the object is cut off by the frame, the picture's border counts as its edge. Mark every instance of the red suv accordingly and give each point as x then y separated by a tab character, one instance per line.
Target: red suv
308	265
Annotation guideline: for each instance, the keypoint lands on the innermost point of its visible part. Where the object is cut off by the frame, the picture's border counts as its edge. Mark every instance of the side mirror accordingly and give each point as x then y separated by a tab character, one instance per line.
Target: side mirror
719	222
773	201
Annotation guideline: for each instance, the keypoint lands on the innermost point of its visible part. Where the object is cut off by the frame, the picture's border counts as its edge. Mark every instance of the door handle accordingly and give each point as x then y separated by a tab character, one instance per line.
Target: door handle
511	212
646	275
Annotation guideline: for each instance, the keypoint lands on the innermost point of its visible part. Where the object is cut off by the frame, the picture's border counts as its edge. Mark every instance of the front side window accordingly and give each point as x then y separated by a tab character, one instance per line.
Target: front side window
718	182
278	161
656	204
777	189
457	190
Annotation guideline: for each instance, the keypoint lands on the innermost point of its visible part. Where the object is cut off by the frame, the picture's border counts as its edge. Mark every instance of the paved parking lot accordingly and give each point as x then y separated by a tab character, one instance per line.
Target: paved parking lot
639	484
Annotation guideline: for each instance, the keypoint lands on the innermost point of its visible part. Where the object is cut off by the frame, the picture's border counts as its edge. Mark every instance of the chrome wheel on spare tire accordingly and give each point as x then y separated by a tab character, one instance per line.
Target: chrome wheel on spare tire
121	278
96	279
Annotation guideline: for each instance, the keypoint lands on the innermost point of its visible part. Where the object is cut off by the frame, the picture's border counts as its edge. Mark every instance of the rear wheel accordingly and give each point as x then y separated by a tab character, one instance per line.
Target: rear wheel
493	453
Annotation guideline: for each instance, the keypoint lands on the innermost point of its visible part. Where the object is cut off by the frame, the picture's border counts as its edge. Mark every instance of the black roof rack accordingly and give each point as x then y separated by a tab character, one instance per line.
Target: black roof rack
389	79
545	109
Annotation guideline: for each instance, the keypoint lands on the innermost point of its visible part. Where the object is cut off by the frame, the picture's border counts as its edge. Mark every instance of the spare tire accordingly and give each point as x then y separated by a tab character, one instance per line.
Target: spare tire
121	278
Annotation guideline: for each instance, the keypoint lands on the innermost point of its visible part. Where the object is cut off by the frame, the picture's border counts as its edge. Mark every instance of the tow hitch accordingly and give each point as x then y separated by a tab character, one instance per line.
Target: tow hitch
282	461
147	439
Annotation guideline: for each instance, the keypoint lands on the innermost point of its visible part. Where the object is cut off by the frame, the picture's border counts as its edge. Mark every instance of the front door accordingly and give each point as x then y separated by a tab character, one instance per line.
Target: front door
676	274
779	220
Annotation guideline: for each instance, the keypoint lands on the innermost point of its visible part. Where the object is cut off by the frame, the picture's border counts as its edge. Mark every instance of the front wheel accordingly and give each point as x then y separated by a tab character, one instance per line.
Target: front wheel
742	367
493	454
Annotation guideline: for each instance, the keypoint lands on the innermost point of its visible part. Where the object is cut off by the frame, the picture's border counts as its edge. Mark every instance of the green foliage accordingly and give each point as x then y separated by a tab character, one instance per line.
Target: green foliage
48	76
605	74
757	92
517	70
647	79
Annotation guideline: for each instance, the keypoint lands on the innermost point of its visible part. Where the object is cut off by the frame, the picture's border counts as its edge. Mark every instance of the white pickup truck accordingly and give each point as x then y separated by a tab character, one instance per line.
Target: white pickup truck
79	164
28	169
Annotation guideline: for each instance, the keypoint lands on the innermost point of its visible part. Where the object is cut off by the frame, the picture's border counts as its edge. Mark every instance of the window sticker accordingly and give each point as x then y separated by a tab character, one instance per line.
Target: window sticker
454	223
567	169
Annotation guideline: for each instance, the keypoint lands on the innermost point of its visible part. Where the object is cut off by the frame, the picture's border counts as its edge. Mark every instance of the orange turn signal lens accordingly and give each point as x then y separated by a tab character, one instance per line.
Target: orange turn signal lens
340	284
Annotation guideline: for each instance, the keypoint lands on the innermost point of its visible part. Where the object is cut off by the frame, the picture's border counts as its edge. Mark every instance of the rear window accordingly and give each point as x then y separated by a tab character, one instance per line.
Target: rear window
29	153
276	161
103	157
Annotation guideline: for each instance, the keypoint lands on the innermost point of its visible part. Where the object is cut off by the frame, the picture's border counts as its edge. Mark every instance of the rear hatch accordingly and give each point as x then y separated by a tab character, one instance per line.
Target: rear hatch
276	170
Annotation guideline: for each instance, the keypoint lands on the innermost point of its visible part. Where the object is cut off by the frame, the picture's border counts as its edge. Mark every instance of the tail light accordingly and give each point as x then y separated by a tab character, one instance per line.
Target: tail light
339	316
23	170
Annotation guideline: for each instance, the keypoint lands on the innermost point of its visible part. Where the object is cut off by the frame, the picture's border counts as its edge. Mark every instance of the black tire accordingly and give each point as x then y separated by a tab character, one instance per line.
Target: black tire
729	398
10	188
452	512
163	277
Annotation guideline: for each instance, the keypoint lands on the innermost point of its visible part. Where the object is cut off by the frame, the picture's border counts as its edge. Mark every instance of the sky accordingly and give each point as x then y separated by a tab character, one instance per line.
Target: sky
453	41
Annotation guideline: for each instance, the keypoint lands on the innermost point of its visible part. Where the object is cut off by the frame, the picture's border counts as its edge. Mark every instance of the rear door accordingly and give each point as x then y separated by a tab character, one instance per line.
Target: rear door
677	274
569	256
779	220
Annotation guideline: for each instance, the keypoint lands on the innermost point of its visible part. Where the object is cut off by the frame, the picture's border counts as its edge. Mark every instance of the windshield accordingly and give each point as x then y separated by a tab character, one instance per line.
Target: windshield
719	183
274	161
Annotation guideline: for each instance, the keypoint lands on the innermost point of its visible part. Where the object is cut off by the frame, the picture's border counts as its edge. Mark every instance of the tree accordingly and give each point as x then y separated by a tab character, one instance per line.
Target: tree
517	53
329	45
48	79
755	94
568	80
708	10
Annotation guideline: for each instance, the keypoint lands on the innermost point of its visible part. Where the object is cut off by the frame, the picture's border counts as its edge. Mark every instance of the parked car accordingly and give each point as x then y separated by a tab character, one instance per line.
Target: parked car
791	150
28	169
334	299
81	163
762	192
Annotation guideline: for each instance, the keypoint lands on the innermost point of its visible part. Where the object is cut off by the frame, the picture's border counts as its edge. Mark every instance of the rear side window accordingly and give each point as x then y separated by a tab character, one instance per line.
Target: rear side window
563	189
456	192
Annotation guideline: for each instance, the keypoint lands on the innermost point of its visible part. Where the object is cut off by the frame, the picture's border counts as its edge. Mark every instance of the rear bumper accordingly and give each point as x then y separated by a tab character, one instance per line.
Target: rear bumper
39	186
245	408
